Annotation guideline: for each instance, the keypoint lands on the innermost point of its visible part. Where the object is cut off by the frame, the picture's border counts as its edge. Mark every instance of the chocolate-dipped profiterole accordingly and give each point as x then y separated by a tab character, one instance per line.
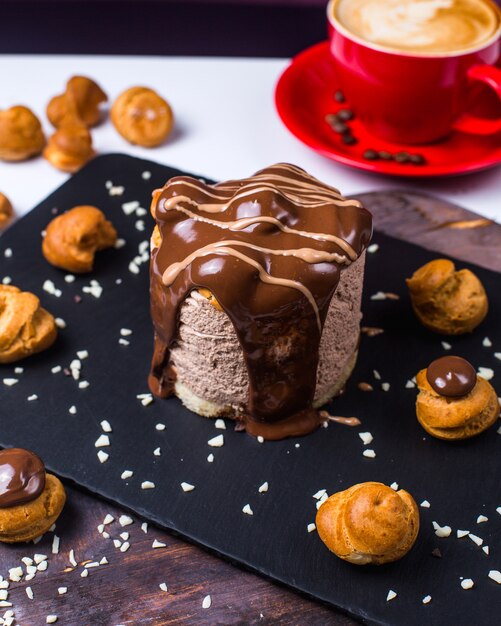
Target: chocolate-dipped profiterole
22	476
282	255
451	376
453	402
30	499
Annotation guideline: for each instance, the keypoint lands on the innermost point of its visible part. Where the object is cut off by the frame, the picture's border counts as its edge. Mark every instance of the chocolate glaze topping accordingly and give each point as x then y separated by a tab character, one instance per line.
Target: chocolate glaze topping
22	477
270	248
451	376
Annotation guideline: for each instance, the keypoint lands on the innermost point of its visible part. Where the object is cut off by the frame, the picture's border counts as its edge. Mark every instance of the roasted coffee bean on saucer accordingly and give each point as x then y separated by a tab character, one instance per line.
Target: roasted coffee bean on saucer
339	96
345	115
385	155
348	139
402	157
417	159
371	155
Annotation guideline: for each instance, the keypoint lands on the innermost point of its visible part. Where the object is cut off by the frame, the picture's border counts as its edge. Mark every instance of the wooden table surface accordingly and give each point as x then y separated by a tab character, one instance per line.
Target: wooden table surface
126	589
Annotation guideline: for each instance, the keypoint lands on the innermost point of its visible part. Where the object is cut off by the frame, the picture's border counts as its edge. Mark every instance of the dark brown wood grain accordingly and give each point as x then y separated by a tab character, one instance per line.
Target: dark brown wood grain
126	590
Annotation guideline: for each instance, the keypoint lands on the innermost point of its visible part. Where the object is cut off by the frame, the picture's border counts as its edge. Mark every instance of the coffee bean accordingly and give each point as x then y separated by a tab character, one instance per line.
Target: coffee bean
371	155
345	115
331	118
348	139
386	156
417	159
402	157
339	96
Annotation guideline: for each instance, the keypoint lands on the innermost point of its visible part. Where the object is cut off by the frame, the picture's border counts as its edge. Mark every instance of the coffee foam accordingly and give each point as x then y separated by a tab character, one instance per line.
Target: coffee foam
421	26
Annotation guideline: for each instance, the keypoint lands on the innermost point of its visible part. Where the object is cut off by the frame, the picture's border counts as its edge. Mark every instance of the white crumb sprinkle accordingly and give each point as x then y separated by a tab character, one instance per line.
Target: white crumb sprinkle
369	453
319	494
497	355
426	599
385	386
210	458
187	487
374	247
31	569
125	332
84	573
129	207
147	484
27	561
247	510
100	528
486	342
18	370
91	564
462	533
441	531
144	527
446	345
15	574
125	520
157	451
260	439
478	540
102	441
141	211
206	602
486	372
56	369
72	410
486	549
319	503
220	424
51	619
158	544
83	384
41	567
106	426
55	545
69	278
391	595
147	400
60	323
123	342
495	575
125	546
126	474
376	374
380	295
93	290
482	518
10	382
82	354
103	456
409	384
76	364
62	590
394	486
146	175
140	225
467	583
71	558
366	438
103	561
119	243
6	280
117	543
32	397
163	586
311	527
106	535
263	488
425	504
7	253
160	427
133	268
217	441
51	288
4	594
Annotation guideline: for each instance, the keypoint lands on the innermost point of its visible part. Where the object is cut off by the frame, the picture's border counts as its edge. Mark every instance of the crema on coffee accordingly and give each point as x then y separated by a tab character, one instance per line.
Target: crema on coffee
420	26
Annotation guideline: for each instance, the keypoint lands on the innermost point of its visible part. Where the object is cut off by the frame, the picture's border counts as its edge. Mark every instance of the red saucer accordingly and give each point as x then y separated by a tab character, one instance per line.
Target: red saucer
305	95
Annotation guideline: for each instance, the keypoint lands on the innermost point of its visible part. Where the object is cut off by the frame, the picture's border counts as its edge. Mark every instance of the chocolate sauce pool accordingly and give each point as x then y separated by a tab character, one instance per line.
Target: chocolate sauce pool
451	376
270	248
22	477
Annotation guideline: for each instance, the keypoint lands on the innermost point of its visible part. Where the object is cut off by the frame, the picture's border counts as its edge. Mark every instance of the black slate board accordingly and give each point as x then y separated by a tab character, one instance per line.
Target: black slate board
460	480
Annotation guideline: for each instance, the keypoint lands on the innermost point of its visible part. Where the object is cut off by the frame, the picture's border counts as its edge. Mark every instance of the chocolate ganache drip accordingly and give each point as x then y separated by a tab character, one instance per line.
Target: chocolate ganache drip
22	477
270	248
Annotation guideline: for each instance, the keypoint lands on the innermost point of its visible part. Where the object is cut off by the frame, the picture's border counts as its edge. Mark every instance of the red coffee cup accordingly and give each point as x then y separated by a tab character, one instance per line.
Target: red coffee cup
413	98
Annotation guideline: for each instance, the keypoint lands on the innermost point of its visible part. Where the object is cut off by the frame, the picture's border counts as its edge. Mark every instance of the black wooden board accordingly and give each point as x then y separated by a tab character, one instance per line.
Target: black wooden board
460	480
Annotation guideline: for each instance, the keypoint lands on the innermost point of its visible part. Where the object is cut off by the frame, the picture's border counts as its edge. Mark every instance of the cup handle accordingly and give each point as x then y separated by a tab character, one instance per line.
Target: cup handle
468	123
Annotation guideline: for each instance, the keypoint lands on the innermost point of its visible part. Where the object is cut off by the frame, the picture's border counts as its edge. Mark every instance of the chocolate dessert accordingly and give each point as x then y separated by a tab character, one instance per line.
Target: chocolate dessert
255	296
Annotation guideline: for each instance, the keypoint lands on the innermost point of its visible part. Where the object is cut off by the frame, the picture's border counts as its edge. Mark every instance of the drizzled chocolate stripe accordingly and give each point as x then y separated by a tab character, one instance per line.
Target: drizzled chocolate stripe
266	280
